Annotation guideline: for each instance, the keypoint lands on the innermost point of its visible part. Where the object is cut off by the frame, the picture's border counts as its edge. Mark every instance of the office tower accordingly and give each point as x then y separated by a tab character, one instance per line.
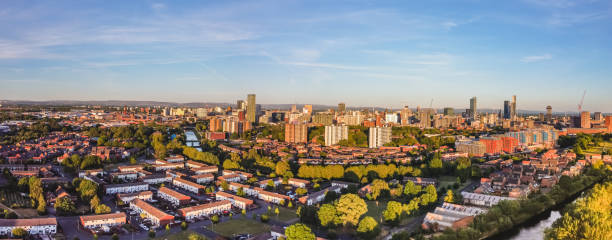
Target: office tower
449	111
585	119
296	133
379	136
333	134
251	108
341	107
608	123
598	116
514	113
507	110
473	108
548	113
293	108
307	109
240	105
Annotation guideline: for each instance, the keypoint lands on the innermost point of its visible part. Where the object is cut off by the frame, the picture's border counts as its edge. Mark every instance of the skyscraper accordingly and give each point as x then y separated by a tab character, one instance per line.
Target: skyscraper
548	113
473	108
379	136
507	110
514	113
251	108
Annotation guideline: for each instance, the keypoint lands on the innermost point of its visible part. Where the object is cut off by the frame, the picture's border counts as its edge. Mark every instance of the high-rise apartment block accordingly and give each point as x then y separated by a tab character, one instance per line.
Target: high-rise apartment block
379	136
585	119
333	134
251	108
449	111
548	113
296	133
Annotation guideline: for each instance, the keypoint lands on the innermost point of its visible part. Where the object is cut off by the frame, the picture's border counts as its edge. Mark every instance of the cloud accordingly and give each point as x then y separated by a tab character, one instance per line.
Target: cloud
449	24
326	65
553	3
158	6
536	58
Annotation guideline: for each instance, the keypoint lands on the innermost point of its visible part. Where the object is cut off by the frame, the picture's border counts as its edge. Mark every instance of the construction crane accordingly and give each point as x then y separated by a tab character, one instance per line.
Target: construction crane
581	101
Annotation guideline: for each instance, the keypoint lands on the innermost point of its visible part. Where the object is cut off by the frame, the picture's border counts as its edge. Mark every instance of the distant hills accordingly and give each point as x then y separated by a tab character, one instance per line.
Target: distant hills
131	103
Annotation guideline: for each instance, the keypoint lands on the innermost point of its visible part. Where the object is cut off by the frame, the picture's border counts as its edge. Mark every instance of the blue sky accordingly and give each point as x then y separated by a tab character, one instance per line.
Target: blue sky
364	53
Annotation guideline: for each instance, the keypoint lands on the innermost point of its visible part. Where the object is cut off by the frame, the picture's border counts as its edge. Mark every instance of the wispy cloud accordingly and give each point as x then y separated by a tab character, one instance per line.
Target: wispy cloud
158	6
327	65
536	58
553	3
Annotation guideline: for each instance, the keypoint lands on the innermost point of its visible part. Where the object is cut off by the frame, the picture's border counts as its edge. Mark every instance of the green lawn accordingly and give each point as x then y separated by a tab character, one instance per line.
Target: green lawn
285	214
448	181
176	236
239	226
375	210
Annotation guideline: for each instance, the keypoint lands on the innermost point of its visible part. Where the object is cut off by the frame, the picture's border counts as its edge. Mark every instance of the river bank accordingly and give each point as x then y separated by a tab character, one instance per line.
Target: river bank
536	219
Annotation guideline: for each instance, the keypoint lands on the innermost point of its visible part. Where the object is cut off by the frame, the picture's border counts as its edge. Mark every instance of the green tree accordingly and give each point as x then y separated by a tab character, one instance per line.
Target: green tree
87	189
184	226
327	214
449	196
195	236
368	228
64	206
281	168
393	211
301	191
19	232
350	208
588	218
377	187
102	209
299	231
214	219
151	233
410	189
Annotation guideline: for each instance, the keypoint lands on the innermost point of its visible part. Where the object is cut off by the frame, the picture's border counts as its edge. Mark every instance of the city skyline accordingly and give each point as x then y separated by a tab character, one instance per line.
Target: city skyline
386	55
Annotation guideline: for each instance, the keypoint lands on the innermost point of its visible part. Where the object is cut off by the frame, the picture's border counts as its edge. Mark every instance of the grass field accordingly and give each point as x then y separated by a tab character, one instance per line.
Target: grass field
285	214
10	198
239	226
446	181
374	210
598	150
177	236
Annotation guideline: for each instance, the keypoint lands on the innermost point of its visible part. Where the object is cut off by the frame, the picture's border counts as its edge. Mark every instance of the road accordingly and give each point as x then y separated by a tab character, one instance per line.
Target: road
409	227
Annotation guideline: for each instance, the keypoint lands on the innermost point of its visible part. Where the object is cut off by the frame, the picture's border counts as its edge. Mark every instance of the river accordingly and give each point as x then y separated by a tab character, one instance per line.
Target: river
534	229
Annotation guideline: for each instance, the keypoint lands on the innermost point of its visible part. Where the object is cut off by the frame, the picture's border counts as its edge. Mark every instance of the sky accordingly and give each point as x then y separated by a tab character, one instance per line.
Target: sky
364	53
